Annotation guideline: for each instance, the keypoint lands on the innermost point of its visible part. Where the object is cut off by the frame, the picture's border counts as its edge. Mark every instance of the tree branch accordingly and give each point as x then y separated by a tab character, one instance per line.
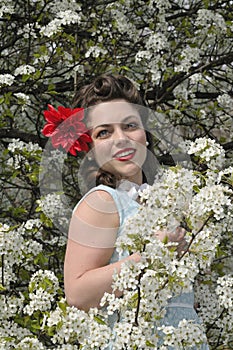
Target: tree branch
23	136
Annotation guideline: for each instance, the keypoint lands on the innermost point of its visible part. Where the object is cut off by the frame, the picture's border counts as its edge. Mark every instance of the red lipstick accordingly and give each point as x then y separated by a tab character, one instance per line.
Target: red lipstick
125	154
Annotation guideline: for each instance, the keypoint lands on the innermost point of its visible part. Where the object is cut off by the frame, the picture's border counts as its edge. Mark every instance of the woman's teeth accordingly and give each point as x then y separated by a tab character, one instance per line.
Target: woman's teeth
124	154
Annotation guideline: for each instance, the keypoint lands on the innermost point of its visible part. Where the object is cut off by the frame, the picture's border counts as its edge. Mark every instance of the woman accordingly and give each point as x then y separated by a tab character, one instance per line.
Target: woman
121	156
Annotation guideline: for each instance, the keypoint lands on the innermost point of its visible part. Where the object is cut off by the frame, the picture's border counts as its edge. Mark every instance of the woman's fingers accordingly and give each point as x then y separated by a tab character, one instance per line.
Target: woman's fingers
177	236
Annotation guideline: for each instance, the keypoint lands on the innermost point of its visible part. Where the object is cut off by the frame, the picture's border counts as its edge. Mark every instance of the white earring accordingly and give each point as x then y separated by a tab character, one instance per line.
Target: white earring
147	143
89	158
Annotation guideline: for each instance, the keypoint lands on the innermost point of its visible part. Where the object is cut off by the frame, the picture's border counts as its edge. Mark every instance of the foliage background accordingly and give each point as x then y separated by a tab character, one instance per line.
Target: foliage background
180	53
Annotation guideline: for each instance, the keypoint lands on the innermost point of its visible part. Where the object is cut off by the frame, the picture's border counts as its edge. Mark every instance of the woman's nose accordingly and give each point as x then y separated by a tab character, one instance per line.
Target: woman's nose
120	136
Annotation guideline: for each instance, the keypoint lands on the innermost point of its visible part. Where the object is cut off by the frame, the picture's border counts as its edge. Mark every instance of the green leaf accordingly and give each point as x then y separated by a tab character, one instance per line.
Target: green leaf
99	320
51	87
18	211
62	306
40	259
25	78
35	325
2	288
196	189
31	287
45	220
37	74
125	68
148	343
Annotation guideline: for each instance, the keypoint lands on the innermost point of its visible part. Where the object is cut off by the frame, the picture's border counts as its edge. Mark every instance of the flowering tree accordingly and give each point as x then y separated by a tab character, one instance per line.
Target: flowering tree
179	53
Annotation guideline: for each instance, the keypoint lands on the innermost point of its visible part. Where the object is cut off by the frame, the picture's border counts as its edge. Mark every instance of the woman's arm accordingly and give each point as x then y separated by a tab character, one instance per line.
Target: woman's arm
88	275
87	272
93	230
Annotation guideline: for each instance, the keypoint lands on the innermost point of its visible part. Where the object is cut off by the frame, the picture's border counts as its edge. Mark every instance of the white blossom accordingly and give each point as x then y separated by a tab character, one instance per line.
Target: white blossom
224	291
6	79
19	159
10	305
52	204
30	343
54	318
95	51
196	78
208	150
123	23
140	55
161	5
28	31
156	42
43	287
11	333
6	9
176	193
17	144
64	5
207	18
225	100
79	69
186	335
22	97
62	18
39	300
25	69
189	57
43	277
74	323
31	223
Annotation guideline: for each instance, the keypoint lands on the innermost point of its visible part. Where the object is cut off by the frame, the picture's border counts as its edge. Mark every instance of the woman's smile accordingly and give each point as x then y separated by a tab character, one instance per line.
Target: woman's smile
125	154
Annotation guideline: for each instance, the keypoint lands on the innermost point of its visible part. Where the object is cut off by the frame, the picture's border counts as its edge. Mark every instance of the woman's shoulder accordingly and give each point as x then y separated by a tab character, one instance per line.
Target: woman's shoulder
95	220
103	197
109	201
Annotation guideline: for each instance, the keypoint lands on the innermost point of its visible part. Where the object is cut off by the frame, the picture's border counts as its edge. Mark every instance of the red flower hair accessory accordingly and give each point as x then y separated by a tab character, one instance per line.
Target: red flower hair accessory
66	129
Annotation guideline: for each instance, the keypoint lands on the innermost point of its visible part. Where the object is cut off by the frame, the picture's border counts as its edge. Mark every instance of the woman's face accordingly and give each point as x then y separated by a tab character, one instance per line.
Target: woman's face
119	140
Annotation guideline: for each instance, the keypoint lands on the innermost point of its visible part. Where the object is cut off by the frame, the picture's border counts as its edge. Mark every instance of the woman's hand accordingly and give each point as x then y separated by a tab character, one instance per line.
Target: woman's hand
176	236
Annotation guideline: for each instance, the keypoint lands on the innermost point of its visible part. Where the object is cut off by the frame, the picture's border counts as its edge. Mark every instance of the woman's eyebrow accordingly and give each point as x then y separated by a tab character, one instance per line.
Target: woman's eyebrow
129	117
120	122
101	126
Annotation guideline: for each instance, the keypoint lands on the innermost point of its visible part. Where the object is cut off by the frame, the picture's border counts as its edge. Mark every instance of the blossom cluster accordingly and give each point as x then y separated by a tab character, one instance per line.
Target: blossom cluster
62	18
17	144
43	288
224	291
24	69
19	150
178	196
208	151
56	209
6	79
23	98
9	9
184	336
202	203
16	247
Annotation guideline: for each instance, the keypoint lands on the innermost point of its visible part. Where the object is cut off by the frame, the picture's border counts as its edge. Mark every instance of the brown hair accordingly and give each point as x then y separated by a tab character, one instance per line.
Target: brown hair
105	88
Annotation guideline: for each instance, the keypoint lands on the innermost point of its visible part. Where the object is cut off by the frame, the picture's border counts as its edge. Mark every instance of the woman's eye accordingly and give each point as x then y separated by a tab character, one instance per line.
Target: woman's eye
102	133
131	125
